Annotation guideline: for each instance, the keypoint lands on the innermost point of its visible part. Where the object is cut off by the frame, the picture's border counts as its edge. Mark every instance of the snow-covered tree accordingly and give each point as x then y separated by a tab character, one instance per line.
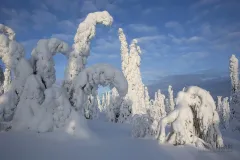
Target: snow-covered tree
91	110
141	124
219	105
124	53
1	80
125	110
11	53
225	112
146	98
194	120
170	101
235	94
87	81
131	61
233	66
81	48
42	59
7	80
157	111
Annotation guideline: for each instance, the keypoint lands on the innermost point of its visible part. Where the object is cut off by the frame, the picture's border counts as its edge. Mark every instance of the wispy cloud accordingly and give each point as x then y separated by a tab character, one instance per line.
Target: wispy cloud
200	3
64	37
176	26
142	28
146	39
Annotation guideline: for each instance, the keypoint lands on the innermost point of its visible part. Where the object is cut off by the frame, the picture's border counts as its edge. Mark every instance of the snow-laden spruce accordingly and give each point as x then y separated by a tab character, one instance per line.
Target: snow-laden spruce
1	80
131	61
233	66
42	59
86	31
124	53
225	113
170	101
155	111
194	120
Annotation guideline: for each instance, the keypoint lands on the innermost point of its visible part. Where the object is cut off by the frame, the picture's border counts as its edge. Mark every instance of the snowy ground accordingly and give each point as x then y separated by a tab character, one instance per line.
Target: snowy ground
110	142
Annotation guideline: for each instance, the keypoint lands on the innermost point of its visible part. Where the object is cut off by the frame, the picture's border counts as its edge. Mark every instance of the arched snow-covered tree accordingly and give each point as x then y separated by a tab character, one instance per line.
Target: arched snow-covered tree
42	59
194	121
81	48
88	80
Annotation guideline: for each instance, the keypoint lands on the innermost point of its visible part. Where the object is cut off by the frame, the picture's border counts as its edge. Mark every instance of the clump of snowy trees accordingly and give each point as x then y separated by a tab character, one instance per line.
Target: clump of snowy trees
31	101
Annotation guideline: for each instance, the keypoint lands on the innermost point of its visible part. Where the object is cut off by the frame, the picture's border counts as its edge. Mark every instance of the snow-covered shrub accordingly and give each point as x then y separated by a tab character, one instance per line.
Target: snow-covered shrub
81	48
125	111
157	111
194	120
140	125
113	109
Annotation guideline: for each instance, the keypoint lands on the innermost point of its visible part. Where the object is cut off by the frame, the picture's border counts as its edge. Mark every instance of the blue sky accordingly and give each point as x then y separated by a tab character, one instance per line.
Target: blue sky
176	36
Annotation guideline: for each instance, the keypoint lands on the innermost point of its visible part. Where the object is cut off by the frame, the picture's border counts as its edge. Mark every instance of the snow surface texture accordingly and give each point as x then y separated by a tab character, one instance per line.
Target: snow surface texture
194	121
42	59
111	142
87	82
81	47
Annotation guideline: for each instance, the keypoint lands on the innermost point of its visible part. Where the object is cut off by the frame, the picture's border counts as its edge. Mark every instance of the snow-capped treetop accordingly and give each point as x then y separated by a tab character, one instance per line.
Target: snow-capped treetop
46	48
135	49
10	51
233	66
124	50
170	96
87	30
8	31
